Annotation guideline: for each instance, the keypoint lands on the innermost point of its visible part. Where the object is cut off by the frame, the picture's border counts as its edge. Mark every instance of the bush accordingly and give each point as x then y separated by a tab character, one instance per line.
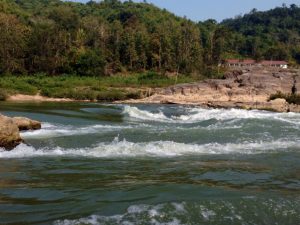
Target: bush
90	63
290	98
111	95
150	76
133	95
3	95
73	93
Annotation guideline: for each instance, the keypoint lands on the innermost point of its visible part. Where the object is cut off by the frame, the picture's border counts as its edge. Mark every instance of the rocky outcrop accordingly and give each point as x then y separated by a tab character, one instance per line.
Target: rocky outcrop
248	88
26	124
9	133
10	130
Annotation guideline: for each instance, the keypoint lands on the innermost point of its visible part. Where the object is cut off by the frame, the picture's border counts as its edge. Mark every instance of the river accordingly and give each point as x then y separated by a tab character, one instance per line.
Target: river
151	164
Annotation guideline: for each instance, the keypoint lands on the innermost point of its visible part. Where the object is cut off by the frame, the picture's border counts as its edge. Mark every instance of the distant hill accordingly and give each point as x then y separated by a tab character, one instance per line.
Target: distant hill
273	34
96	39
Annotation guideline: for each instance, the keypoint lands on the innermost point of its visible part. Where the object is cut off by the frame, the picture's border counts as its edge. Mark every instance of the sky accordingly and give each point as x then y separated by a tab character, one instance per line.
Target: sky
199	10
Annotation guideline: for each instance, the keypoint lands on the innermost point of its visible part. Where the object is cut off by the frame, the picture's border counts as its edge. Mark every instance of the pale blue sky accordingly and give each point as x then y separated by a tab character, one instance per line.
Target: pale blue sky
216	9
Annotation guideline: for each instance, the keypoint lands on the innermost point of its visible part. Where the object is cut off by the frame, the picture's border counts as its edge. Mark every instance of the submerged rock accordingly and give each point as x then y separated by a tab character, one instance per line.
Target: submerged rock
27	124
9	133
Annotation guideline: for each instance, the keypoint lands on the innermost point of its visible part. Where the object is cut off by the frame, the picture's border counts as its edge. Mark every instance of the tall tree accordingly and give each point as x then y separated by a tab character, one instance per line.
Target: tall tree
13	44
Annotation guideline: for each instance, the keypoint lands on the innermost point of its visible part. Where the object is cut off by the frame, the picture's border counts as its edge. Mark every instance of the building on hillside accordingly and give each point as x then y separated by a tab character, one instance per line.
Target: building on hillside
279	64
240	63
251	63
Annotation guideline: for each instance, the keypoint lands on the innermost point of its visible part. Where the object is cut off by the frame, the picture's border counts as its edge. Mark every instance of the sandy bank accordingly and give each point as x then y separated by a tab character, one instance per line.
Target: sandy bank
37	98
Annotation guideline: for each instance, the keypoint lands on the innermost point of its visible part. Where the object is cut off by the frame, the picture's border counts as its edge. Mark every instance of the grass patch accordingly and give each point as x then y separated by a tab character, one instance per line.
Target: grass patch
118	87
290	98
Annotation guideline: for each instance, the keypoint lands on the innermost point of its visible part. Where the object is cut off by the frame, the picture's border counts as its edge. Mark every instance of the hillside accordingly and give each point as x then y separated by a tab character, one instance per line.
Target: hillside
57	37
109	37
274	34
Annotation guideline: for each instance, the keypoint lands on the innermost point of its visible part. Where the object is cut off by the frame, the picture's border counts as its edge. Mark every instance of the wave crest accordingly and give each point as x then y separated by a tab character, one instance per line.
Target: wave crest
51	130
203	212
125	148
193	115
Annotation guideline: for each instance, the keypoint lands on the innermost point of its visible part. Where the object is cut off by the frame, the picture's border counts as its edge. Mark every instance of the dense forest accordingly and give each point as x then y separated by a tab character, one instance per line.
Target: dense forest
274	34
109	37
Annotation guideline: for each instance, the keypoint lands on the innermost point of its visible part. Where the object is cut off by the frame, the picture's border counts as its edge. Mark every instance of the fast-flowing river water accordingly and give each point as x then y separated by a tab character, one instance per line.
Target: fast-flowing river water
151	164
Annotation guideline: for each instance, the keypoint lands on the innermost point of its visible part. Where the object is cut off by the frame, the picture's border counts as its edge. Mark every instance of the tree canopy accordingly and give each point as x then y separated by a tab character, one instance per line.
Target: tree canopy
107	37
273	35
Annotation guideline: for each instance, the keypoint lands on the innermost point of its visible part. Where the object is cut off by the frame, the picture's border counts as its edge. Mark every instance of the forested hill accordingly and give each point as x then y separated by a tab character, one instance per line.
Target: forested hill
93	39
57	37
274	34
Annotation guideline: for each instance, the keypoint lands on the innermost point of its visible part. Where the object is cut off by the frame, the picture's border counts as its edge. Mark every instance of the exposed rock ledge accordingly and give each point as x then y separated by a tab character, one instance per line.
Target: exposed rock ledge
10	130
248	89
26	124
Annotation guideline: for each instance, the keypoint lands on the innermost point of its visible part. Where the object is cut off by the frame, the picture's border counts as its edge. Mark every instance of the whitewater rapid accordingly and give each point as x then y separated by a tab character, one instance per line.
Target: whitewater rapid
157	123
151	164
226	119
117	149
194	115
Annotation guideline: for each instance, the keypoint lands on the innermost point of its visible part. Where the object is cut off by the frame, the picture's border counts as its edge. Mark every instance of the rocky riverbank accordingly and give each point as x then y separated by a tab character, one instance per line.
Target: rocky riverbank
248	88
10	130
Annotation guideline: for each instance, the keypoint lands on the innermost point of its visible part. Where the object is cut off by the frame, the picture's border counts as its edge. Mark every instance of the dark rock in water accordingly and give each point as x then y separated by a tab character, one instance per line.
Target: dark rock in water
168	102
27	124
9	133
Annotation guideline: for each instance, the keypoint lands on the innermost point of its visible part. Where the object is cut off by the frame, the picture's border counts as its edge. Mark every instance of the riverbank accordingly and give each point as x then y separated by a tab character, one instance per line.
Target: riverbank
36	98
76	88
254	88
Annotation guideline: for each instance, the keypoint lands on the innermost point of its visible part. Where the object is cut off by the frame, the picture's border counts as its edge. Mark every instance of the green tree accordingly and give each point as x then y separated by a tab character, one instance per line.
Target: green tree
90	63
13	44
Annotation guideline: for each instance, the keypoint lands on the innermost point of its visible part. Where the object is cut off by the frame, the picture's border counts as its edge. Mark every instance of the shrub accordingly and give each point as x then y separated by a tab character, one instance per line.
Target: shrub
3	95
90	63
150	76
111	95
290	98
133	95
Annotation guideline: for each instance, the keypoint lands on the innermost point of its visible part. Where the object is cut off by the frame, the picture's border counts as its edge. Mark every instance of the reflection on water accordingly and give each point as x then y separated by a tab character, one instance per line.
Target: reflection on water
151	164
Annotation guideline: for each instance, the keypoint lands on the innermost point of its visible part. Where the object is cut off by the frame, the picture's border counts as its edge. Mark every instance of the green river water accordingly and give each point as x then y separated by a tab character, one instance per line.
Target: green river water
151	164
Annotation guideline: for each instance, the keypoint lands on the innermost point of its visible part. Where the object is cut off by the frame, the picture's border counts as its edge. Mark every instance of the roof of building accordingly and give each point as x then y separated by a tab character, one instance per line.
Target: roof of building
238	61
232	60
248	61
252	61
269	62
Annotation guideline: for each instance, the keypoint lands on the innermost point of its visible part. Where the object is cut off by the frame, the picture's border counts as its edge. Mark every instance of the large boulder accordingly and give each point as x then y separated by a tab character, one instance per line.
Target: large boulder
27	124
9	133
279	105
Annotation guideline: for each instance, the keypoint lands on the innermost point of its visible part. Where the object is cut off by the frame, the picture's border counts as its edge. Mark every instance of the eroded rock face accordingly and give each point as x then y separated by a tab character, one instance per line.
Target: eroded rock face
9	133
26	124
248	88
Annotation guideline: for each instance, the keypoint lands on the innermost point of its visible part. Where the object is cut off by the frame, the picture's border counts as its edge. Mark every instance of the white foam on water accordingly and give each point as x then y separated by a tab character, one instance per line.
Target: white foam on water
51	130
212	212
200	114
206	212
117	149
135	214
136	113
